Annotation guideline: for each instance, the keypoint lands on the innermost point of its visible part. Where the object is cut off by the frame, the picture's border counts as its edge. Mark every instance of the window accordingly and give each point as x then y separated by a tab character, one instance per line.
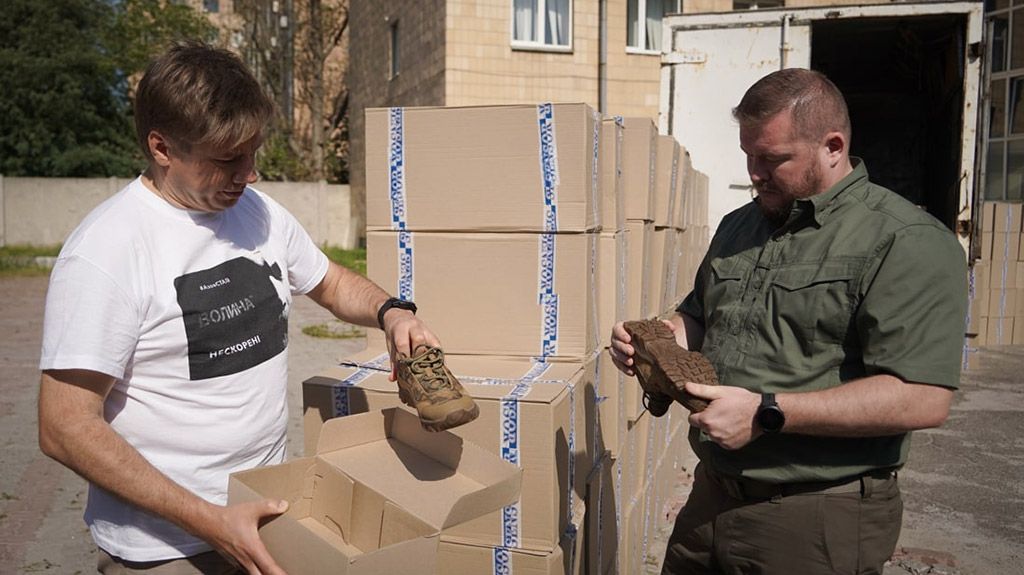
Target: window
756	4
1004	154
643	23
393	49
211	5
542	24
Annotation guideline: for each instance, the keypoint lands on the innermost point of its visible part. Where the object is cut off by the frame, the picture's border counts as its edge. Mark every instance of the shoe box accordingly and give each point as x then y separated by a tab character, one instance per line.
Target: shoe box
489	168
376	497
520	294
540	416
613	205
639	168
665	209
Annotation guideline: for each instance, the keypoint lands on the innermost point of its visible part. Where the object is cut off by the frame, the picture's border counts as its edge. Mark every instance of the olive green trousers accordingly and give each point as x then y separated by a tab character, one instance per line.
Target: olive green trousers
731	528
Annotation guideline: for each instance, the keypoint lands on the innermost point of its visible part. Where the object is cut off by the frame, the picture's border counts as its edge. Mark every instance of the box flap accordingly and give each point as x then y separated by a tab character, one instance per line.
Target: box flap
437	477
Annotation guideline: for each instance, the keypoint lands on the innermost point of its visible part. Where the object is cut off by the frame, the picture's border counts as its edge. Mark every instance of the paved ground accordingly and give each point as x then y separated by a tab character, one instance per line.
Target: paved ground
963	486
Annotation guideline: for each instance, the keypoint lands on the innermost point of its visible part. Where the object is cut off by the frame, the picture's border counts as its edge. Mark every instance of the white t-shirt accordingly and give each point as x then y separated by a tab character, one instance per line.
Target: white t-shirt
189	312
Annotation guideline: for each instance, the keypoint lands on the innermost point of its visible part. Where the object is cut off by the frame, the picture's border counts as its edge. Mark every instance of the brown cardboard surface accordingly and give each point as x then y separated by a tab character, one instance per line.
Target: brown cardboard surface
999	331
612	285
612	387
639	154
971	356
986	246
565	559
666	175
546	414
345	516
988	217
613	206
1003	302
1003	274
495	293
641	240
1007	217
1005	246
684	189
490	168
602	534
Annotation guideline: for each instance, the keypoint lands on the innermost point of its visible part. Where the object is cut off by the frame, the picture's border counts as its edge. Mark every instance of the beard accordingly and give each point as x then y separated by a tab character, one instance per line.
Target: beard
776	203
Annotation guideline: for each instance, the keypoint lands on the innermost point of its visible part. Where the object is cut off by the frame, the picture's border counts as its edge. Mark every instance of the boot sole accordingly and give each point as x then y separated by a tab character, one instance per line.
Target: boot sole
654	344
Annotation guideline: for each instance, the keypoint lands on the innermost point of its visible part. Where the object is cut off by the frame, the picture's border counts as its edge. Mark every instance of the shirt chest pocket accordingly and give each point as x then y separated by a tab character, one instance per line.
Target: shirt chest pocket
815	303
724	291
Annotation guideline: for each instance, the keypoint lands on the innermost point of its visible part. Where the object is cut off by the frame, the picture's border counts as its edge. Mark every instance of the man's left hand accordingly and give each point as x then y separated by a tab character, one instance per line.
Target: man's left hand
729	417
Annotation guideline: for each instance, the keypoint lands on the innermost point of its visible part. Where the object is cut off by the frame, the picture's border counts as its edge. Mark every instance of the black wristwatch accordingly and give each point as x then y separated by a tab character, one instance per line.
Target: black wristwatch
393	302
769	415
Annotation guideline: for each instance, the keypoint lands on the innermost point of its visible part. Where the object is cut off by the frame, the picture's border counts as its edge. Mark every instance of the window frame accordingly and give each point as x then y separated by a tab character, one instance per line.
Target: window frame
1004	79
534	46
641	13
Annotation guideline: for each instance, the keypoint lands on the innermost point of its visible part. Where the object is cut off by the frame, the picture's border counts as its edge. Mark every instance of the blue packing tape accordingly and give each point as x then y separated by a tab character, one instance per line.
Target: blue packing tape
548	164
547	298
502	564
405	266
396	167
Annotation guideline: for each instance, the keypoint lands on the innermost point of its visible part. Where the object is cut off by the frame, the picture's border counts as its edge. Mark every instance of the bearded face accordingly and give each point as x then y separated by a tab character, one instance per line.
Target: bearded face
783	167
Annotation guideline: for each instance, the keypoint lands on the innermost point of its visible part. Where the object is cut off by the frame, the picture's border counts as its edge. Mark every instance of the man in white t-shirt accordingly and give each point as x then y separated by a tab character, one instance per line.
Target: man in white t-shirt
164	362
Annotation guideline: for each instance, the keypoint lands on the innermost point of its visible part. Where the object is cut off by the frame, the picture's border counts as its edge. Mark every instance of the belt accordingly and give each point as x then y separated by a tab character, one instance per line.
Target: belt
743	488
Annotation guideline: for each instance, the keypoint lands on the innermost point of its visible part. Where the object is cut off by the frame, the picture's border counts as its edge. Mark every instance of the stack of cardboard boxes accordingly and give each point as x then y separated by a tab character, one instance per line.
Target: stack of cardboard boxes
995	282
510	228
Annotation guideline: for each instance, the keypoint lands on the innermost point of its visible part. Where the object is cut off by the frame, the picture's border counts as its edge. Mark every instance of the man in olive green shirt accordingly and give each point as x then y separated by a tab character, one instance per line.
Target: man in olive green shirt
833	312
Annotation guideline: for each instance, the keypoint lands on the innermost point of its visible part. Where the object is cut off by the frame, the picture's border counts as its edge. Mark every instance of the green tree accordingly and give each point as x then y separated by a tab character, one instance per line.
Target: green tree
67	68
62	111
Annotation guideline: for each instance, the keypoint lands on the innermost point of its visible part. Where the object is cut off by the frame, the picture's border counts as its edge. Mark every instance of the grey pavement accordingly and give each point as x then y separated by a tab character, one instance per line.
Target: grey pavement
963	486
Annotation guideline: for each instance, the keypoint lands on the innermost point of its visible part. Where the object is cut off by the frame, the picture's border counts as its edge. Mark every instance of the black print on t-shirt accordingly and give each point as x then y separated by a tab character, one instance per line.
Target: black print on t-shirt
234	318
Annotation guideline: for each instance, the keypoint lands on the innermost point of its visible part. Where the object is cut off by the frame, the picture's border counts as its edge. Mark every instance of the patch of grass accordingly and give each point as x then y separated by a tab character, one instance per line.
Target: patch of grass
354	260
334	329
7	496
26	260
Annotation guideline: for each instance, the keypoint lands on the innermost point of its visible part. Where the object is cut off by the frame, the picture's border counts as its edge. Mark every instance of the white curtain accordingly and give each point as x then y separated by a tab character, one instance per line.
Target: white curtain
632	23
655	10
557	22
525	23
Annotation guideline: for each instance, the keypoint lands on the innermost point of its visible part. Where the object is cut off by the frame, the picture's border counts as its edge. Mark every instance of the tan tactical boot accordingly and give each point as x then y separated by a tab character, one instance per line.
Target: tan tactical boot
426	384
663	367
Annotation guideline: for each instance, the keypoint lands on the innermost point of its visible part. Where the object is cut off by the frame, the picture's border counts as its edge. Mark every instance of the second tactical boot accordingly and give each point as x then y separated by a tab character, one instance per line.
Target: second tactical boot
663	367
426	384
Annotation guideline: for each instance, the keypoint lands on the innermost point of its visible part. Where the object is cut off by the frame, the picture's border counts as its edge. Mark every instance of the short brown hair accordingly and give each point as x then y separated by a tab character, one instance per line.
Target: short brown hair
817	105
195	94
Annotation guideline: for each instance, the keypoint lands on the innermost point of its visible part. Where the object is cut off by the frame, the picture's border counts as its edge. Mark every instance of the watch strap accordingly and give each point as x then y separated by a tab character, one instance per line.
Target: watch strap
390	303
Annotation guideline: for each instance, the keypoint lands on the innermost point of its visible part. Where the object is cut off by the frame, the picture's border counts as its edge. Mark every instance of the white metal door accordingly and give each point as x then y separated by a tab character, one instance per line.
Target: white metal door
709	66
711	59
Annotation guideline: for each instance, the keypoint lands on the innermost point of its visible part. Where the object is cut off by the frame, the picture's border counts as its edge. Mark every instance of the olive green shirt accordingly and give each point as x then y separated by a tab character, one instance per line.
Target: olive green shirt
857	282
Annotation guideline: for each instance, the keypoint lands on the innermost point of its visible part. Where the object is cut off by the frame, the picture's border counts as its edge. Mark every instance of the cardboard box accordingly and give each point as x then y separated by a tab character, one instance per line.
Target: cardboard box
999	331
531	295
666	174
638	284
612	286
540	416
684	185
376	497
1005	246
662	262
1007	217
602	533
612	389
988	217
566	559
613	206
1003	303
639	153
978	281
971	354
489	168
1003	274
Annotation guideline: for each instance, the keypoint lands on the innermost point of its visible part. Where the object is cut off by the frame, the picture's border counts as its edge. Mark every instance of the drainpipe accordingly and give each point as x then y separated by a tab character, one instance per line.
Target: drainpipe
602	57
784	43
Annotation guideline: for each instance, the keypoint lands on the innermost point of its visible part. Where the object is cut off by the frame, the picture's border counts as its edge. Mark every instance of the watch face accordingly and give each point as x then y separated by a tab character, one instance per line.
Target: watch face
771	419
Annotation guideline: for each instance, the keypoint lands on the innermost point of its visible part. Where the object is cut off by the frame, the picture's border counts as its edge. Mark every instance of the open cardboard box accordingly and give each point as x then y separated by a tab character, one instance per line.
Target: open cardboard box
377	495
542	415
